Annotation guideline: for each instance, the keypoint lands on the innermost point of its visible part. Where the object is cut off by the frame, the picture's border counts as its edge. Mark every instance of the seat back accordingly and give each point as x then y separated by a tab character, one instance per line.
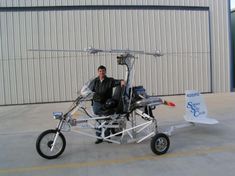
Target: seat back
118	96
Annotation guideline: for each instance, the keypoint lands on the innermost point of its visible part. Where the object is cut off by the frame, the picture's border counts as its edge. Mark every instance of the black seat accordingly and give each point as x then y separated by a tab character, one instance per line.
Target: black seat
115	104
118	97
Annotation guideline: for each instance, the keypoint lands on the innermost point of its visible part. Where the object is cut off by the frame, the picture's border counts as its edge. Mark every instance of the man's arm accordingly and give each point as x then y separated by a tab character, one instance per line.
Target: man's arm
116	82
92	85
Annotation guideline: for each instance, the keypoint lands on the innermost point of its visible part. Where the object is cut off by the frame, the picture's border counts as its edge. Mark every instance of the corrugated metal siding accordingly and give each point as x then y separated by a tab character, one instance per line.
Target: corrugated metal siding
28	77
233	42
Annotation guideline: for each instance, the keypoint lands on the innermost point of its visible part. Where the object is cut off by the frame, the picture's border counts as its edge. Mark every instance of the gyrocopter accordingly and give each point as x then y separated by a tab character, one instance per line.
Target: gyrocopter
130	120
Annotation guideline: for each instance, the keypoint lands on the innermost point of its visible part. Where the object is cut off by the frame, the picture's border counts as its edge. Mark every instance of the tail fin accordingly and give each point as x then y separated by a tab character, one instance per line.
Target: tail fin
196	110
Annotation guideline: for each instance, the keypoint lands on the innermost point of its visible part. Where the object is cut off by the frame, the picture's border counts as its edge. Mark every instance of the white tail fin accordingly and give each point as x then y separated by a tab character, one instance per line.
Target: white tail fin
196	110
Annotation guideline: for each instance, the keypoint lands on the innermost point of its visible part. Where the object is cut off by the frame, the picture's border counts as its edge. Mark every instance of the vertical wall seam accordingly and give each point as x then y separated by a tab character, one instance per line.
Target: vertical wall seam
14	56
81	70
34	86
8	58
76	55
52	67
63	59
20	48
231	61
58	68
27	66
45	60
70	58
3	78
39	61
211	50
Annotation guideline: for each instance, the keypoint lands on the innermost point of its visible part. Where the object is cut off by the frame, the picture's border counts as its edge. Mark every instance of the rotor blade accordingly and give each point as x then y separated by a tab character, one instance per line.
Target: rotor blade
89	50
155	54
92	50
186	53
56	50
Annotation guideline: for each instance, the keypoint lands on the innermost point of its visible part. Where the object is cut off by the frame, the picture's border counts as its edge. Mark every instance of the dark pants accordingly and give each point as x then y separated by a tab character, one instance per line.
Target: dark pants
97	107
97	110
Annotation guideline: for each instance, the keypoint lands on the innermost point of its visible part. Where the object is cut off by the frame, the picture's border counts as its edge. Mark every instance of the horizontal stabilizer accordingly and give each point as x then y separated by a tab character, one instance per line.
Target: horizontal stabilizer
206	120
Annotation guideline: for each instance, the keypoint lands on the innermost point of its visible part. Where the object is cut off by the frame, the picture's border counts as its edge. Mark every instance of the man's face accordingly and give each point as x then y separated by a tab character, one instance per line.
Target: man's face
101	73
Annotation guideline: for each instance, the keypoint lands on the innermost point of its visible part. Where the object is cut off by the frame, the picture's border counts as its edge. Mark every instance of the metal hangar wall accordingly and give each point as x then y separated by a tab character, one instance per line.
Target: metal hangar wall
198	29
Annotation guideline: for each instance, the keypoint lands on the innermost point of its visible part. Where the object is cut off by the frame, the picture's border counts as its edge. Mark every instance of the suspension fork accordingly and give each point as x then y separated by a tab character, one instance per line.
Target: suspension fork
59	126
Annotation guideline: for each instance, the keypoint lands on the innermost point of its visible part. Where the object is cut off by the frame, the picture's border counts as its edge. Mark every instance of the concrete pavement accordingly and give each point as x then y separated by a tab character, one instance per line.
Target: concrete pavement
200	150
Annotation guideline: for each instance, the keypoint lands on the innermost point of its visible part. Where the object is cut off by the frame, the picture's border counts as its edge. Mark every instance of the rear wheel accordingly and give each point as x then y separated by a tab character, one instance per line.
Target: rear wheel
45	141
160	144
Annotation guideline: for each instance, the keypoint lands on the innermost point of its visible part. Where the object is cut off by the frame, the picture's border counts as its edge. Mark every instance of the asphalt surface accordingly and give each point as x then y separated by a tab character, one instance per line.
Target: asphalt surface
199	150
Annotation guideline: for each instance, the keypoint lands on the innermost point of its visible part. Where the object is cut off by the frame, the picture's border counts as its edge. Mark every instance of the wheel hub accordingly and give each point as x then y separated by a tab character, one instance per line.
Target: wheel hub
161	144
49	144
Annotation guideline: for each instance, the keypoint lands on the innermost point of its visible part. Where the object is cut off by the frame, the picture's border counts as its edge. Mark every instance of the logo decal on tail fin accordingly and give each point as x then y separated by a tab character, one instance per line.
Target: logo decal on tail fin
195	109
193	94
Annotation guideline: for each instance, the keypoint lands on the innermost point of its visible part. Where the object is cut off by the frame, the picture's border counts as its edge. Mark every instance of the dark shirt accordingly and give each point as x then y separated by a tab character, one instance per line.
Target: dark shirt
103	89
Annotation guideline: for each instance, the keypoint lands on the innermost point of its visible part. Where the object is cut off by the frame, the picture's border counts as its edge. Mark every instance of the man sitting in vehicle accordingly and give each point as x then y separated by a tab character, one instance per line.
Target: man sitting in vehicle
102	86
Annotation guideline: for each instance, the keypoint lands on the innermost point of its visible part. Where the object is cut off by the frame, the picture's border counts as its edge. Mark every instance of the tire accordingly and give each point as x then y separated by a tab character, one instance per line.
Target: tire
44	142
160	144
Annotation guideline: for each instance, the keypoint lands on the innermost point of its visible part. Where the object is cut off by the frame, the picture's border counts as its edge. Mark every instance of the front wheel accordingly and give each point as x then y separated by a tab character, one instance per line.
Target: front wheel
45	141
160	144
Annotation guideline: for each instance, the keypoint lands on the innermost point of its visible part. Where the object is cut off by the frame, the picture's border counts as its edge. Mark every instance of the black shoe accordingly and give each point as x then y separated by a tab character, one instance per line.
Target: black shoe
98	141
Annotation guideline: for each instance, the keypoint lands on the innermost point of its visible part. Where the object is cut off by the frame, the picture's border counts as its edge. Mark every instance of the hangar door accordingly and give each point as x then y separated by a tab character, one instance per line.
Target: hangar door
32	77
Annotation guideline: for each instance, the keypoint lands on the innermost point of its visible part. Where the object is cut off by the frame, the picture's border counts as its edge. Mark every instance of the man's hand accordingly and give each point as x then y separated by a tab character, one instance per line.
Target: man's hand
123	83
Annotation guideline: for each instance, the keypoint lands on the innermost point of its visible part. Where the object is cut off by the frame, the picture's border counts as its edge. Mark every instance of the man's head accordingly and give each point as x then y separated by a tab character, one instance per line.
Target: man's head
101	71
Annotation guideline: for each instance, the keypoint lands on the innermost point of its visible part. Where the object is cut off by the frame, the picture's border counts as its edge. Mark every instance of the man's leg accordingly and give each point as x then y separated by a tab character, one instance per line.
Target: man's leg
97	106
97	109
